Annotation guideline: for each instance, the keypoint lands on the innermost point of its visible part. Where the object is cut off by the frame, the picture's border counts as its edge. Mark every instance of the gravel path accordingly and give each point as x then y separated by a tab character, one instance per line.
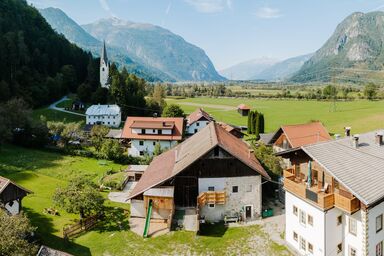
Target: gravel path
53	107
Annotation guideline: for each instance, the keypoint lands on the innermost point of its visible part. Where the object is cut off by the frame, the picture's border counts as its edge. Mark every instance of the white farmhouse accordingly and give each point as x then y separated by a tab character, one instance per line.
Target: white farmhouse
335	197
197	121
108	115
145	132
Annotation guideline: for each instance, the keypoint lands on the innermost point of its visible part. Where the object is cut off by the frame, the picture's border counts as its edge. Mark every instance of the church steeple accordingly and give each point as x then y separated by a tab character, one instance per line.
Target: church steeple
104	56
104	67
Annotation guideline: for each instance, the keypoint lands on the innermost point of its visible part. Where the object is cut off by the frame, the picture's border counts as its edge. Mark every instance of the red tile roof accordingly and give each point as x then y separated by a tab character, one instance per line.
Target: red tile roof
198	115
243	107
174	123
172	162
305	134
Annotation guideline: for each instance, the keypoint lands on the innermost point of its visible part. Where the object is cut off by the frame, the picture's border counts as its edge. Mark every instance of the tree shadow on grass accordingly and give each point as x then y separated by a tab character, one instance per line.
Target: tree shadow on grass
115	219
45	230
213	230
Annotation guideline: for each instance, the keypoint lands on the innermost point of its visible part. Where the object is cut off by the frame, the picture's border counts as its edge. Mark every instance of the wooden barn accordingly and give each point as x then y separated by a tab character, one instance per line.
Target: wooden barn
243	109
11	195
211	176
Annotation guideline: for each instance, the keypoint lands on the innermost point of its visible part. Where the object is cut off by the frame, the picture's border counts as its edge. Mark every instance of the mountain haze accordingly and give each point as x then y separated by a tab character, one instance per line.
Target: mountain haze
249	69
284	69
156	47
354	53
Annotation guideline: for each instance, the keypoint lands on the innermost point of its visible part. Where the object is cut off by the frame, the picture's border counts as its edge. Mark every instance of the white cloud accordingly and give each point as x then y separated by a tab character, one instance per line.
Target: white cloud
268	13
210	6
104	4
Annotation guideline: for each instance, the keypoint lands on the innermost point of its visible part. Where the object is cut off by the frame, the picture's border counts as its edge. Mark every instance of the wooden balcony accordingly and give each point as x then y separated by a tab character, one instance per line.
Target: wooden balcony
312	195
334	198
350	204
211	197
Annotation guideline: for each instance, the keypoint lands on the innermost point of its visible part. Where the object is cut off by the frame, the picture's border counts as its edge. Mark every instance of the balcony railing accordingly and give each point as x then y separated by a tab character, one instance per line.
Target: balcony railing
347	204
314	195
211	197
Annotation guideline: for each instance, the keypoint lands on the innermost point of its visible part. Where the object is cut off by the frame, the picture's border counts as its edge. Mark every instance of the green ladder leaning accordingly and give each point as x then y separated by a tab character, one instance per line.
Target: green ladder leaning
148	219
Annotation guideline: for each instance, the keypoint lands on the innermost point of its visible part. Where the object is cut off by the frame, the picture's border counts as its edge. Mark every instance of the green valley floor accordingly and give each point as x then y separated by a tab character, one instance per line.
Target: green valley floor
42	172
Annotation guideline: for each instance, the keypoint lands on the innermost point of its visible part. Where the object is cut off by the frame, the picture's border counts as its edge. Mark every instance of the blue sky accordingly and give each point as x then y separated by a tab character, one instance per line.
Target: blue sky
230	31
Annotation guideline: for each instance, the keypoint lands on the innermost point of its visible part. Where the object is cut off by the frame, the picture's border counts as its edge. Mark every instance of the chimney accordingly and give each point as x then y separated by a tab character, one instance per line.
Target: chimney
347	131
355	140
337	136
379	138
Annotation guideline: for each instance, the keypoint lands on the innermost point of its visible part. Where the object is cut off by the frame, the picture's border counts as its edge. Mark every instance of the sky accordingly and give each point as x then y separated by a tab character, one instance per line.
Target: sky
229	31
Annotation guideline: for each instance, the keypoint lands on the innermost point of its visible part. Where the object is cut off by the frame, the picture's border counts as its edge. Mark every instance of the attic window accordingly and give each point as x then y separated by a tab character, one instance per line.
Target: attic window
235	189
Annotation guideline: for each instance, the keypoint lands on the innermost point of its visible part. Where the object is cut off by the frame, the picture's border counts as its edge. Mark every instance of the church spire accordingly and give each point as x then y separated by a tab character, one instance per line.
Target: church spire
104	56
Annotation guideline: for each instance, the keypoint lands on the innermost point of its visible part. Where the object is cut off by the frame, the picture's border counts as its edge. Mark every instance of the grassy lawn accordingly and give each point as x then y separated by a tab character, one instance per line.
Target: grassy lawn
53	115
42	172
361	115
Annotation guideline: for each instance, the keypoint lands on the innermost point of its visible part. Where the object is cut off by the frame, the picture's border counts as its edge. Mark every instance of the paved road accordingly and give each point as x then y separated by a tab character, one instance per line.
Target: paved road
53	106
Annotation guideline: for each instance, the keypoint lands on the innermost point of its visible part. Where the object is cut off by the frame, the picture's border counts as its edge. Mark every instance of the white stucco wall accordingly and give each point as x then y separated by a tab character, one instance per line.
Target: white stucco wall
312	234
104	74
333	231
114	121
14	209
373	237
236	202
149	146
196	126
350	239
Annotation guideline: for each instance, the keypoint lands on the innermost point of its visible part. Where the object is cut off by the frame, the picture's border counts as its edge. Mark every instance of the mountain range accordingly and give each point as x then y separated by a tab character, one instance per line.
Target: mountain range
149	51
354	52
249	69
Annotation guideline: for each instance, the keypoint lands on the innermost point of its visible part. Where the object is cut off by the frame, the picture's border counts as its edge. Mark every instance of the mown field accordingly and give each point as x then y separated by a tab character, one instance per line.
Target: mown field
361	115
42	172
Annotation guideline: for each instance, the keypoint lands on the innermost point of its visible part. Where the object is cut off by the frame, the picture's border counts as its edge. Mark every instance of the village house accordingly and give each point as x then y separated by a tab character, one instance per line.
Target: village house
197	121
108	115
335	196
212	176
297	135
145	132
243	109
11	196
234	130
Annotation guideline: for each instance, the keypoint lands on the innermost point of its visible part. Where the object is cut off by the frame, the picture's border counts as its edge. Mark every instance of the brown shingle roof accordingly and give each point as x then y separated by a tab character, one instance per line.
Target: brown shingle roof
154	123
198	115
172	162
305	134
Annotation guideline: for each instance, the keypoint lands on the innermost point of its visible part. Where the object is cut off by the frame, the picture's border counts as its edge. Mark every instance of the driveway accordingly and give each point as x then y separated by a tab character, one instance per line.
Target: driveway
53	107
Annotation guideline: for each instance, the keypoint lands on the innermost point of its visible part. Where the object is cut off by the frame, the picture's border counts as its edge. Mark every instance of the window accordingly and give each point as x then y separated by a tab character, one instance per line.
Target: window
303	218
141	153
142	131
310	220
141	143
154	143
249	188
295	236
339	220
295	210
195	131
108	123
211	188
352	251
235	189
352	226
211	205
339	248
153	130
379	249
310	247
197	124
216	151
159	131
303	244
379	223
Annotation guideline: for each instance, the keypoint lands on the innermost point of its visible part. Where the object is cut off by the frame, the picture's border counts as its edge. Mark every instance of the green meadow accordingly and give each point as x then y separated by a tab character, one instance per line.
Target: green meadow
361	115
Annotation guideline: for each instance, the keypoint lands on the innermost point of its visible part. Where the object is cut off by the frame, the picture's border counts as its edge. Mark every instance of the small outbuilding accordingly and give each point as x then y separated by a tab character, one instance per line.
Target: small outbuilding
11	195
243	109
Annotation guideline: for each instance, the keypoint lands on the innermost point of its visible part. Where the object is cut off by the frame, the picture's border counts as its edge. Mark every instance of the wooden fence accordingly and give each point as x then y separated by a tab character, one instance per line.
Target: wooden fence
82	225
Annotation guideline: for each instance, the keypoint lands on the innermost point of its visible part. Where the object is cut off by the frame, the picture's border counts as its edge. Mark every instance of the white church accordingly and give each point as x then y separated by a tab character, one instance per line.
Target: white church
104	68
